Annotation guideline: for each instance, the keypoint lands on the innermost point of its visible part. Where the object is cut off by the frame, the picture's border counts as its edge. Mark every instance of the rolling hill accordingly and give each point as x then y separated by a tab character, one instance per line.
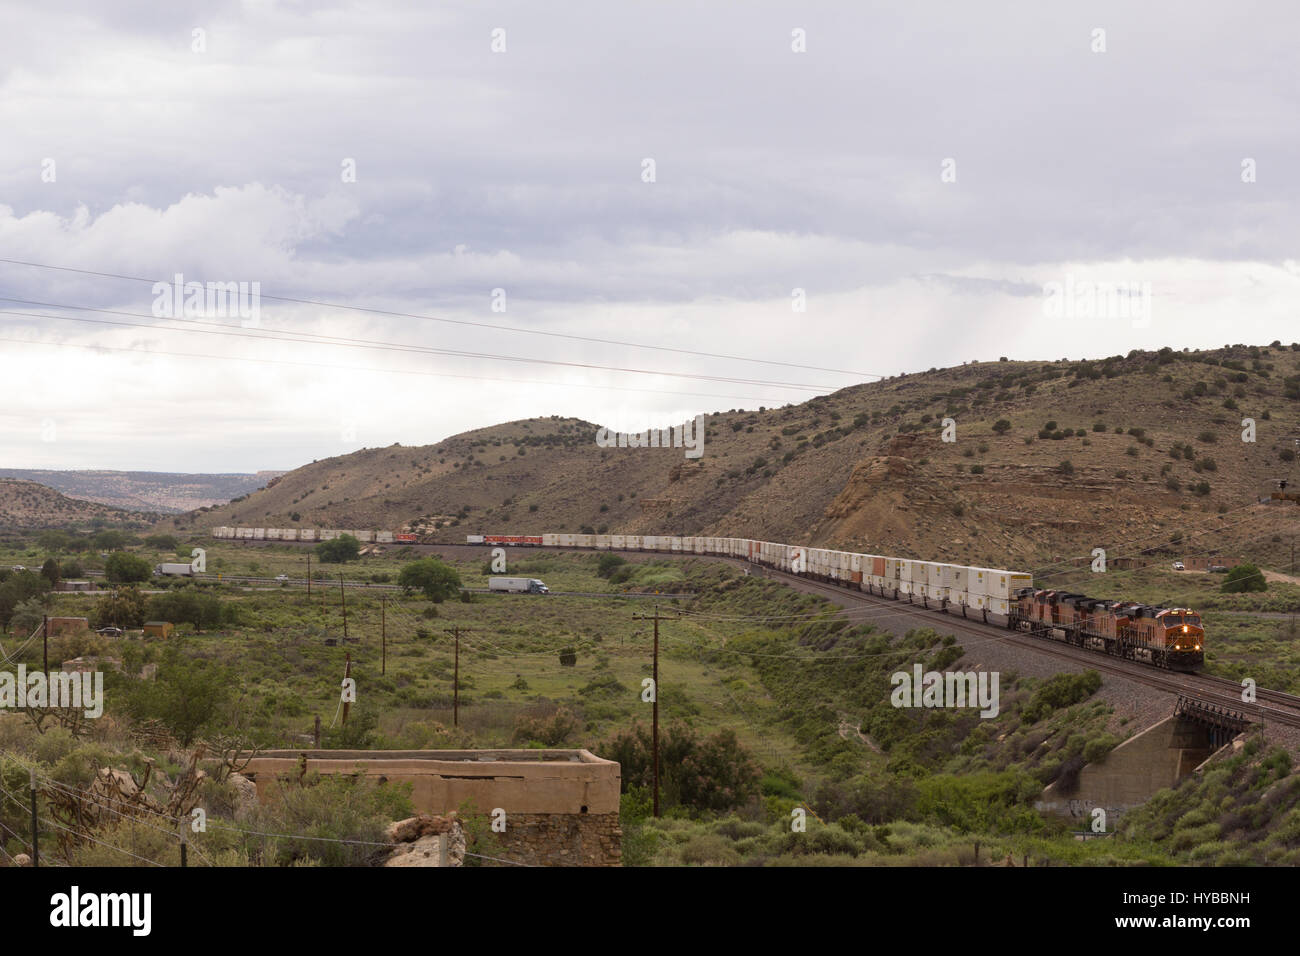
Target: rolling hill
155	491
27	504
1049	458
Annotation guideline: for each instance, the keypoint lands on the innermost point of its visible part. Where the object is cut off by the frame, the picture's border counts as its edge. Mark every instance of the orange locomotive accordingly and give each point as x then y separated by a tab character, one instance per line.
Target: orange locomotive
1170	637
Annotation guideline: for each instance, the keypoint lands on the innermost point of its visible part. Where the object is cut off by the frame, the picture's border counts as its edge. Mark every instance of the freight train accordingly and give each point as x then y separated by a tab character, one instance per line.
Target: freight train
312	534
1172	638
1167	637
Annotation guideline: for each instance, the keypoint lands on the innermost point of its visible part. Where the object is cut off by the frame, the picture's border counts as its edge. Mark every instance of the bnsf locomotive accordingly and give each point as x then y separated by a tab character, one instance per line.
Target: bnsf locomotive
1170	637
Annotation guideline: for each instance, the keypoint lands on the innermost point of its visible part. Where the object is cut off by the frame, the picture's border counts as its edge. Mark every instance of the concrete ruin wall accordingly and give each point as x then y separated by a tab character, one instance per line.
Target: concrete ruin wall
561	806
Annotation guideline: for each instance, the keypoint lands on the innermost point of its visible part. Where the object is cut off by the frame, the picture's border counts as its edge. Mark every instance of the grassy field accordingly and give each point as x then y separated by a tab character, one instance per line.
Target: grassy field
804	691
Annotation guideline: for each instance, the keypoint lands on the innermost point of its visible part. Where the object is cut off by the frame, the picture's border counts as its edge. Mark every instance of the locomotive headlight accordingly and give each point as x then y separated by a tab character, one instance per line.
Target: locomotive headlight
1184	628
1198	647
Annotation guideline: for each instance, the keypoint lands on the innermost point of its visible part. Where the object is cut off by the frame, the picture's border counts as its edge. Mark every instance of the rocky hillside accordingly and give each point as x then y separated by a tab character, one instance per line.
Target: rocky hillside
1049	458
26	504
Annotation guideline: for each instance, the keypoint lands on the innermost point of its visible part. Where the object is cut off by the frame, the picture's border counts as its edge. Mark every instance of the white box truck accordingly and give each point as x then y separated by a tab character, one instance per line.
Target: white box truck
173	570
518	585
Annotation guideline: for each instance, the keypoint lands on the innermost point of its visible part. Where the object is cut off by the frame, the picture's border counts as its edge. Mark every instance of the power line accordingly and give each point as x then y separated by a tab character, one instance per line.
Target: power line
351	368
338	341
466	322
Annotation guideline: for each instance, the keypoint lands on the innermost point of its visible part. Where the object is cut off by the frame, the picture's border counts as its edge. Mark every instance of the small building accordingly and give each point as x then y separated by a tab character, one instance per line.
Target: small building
563	805
66	625
158	628
1203	562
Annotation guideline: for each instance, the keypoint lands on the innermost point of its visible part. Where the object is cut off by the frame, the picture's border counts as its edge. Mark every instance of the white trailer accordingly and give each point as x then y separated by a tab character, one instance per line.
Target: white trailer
518	586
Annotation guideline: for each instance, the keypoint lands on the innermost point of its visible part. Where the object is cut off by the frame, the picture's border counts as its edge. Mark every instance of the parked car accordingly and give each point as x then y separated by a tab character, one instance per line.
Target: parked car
282	577
1178	566
110	632
1218	569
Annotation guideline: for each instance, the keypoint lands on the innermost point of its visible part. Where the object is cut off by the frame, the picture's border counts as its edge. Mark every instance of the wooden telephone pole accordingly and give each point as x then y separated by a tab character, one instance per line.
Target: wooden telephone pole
383	635
308	577
656	617
343	594
455	681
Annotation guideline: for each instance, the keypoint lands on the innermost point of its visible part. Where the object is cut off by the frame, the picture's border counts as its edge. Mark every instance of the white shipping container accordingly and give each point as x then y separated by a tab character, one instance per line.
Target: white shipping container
259	534
308	534
998	583
384	537
602	542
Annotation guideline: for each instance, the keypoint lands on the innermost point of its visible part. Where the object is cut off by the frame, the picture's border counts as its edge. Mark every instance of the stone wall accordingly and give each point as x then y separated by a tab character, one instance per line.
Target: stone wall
562	839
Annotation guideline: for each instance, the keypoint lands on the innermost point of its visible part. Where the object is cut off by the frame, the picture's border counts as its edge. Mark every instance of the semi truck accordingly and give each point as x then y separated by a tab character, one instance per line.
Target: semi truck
518	585
172	570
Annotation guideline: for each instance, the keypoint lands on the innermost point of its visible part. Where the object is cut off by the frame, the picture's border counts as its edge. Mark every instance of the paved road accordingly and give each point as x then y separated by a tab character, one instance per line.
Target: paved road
273	584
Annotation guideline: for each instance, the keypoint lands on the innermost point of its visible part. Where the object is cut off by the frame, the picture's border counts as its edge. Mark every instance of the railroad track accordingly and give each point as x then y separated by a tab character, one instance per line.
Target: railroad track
1272	705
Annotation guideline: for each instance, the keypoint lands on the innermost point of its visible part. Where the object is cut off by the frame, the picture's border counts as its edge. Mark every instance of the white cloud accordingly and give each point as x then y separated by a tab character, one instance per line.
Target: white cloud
521	171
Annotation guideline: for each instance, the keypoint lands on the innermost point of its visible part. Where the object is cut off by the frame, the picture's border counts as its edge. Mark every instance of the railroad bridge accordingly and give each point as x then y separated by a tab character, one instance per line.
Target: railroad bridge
1158	757
1220	723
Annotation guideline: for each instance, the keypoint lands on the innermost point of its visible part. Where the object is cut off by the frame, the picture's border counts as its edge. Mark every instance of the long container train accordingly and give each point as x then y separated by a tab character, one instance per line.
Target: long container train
1162	637
312	534
1168	637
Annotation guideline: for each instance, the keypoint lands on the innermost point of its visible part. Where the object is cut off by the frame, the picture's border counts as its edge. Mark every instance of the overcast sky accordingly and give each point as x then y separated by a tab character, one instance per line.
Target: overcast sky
924	172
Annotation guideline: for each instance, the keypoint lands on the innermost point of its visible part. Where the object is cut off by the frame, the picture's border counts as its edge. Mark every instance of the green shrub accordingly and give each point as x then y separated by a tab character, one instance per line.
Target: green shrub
1244	577
1061	690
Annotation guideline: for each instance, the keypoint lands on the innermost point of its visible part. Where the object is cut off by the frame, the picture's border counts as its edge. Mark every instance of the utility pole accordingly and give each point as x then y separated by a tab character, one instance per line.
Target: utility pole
344	595
656	617
455	681
36	850
308	577
383	636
